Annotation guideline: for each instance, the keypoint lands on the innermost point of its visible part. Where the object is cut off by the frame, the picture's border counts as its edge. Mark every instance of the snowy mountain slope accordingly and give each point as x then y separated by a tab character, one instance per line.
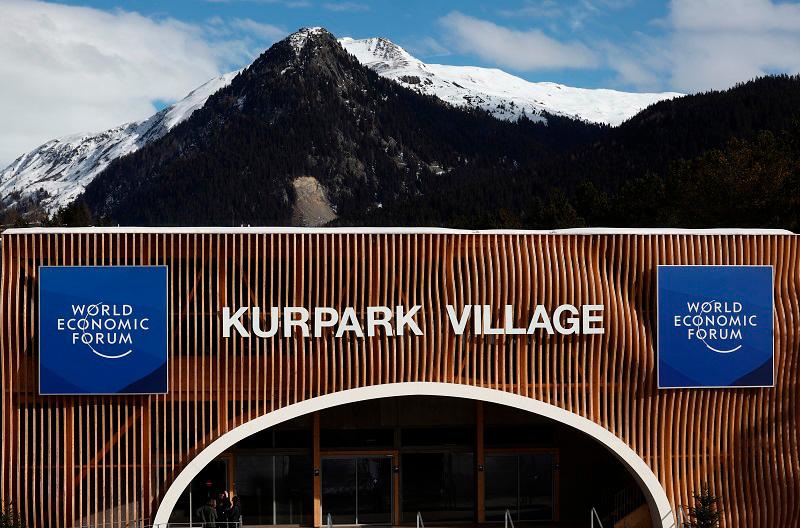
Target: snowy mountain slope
501	94
55	173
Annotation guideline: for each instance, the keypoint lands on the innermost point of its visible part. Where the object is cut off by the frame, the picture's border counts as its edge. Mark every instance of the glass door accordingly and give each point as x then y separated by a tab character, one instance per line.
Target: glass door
523	483
357	489
439	485
275	489
339	493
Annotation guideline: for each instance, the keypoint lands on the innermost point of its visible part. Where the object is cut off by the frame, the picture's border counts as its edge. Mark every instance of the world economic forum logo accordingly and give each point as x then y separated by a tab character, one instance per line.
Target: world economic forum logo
715	326
102	329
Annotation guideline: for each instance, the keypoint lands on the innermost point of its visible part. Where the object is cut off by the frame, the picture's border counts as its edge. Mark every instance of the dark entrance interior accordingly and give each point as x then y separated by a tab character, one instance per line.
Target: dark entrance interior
211	481
452	461
357	489
522	483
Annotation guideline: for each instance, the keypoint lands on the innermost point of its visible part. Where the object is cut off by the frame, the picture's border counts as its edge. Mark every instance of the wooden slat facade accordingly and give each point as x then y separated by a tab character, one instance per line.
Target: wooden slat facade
70	461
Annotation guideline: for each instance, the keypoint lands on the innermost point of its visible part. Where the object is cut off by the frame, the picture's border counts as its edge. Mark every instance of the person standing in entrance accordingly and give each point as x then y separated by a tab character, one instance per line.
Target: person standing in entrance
208	514
223	506
235	513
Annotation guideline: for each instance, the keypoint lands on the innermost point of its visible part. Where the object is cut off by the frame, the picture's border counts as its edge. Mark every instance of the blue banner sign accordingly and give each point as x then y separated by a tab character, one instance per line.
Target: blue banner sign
102	329
715	326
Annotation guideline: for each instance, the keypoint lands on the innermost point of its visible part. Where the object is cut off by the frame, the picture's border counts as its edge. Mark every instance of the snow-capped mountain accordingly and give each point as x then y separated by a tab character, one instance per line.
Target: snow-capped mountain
503	95
55	173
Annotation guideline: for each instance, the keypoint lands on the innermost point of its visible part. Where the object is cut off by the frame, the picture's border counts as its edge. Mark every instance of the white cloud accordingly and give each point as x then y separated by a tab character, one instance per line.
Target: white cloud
713	44
520	50
716	43
699	45
536	9
66	69
353	7
737	15
285	3
635	67
237	41
574	15
426	47
266	32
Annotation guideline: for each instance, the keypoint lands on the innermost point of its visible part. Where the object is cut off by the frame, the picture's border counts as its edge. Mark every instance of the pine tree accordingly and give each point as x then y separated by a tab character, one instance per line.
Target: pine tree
705	513
10	517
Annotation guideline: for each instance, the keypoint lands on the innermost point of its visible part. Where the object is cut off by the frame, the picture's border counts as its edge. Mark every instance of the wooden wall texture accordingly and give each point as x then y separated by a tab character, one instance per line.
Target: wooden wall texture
69	461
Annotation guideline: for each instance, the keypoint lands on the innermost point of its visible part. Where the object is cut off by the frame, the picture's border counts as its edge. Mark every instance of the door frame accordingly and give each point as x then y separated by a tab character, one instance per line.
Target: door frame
393	454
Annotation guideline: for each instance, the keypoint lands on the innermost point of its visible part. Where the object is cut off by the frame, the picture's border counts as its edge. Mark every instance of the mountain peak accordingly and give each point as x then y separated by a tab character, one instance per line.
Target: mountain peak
308	52
301	37
380	54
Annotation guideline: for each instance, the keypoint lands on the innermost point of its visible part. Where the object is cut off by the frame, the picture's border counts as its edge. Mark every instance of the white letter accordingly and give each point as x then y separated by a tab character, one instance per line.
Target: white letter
477	319
487	322
588	319
540	319
349	323
460	324
509	326
573	322
289	321
273	322
320	322
372	321
228	321
408	320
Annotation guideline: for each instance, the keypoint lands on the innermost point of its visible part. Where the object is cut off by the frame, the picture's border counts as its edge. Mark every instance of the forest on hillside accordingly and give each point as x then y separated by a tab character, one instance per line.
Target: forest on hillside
717	159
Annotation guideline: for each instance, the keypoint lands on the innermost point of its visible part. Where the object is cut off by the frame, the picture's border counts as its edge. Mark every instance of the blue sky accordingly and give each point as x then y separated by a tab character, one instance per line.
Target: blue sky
73	66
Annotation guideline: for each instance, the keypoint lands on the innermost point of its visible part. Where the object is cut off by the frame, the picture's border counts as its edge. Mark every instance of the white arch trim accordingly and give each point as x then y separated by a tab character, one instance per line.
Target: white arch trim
660	509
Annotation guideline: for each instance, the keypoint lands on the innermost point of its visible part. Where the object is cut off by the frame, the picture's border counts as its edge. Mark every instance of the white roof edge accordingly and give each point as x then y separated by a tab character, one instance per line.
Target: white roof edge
396	230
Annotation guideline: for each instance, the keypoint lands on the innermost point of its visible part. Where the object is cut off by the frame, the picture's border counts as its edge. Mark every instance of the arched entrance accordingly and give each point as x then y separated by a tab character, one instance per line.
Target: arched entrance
660	509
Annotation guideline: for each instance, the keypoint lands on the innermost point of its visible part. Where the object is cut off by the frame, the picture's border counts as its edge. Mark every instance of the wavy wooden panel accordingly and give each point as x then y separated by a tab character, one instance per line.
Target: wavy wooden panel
74	460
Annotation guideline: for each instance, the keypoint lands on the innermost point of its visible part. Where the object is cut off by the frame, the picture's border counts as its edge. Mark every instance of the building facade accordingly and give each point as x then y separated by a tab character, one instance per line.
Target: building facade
562	327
